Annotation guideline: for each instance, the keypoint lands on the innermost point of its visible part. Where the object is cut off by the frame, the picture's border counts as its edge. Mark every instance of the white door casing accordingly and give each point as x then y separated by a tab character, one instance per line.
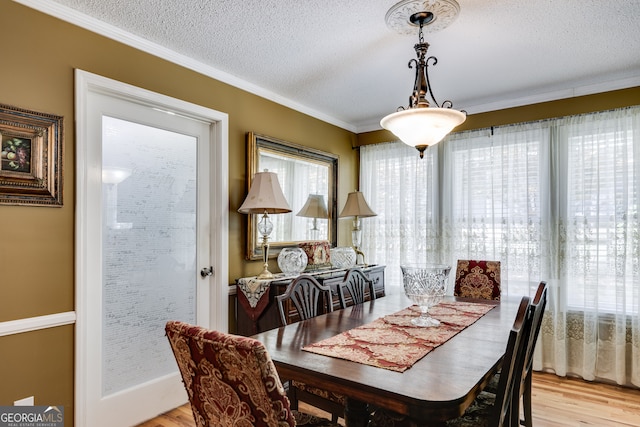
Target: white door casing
96	99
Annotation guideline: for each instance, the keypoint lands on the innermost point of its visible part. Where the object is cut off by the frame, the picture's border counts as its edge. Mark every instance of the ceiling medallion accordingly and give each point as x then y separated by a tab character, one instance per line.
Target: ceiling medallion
444	13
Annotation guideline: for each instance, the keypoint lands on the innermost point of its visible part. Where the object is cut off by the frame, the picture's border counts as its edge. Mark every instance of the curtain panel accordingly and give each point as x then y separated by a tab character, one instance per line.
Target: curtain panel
554	200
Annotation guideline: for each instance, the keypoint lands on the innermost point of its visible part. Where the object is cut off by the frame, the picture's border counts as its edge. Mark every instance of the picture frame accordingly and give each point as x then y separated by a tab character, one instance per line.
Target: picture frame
31	164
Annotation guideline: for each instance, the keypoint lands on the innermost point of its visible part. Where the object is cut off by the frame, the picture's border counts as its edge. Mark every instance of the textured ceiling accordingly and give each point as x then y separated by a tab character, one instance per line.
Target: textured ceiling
338	61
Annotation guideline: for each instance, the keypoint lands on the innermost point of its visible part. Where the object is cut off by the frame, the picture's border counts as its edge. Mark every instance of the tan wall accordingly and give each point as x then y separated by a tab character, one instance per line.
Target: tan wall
39	55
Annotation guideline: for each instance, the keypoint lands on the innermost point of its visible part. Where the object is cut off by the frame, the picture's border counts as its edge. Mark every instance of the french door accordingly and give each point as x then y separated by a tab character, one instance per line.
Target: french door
149	215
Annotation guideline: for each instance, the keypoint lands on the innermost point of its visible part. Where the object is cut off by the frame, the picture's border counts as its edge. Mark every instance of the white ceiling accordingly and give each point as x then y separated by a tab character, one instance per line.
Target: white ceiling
338	61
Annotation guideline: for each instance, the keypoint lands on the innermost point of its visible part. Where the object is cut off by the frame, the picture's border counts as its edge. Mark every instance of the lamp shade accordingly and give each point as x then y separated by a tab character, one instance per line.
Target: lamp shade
314	207
423	126
265	195
356	206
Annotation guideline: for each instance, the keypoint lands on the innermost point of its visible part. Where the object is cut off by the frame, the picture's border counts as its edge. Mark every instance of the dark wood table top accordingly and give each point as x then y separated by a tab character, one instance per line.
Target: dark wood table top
438	387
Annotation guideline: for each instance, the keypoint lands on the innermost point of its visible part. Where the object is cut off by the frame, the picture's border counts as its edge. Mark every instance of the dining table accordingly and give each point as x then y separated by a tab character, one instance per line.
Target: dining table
438	387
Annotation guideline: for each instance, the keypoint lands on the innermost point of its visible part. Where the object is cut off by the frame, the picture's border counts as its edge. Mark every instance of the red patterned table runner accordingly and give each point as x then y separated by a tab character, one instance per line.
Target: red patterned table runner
393	342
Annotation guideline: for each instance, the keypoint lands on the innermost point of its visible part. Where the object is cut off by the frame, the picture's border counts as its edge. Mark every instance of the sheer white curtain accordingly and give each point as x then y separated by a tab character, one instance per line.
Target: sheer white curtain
595	331
402	189
555	200
494	195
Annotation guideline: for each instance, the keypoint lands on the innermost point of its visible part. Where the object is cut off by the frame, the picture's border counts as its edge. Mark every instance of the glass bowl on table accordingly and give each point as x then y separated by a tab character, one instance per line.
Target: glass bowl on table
343	257
292	261
425	285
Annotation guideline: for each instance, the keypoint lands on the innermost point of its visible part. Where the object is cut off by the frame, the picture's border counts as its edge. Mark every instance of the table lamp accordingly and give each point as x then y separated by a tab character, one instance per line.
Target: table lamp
356	207
265	197
315	208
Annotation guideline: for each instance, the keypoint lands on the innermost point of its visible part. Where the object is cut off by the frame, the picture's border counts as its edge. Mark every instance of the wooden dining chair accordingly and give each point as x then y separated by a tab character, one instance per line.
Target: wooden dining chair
357	284
309	298
537	308
231	380
488	409
477	279
523	394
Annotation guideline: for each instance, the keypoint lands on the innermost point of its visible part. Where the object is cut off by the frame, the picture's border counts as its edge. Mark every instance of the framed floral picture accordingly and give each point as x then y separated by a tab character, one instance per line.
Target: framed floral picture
30	158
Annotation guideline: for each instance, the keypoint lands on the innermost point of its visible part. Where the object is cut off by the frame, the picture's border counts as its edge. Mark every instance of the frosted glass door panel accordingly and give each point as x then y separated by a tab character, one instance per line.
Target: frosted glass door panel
148	246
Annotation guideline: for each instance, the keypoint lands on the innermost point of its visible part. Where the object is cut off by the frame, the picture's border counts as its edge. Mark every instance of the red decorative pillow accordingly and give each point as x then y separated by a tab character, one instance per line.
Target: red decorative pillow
478	279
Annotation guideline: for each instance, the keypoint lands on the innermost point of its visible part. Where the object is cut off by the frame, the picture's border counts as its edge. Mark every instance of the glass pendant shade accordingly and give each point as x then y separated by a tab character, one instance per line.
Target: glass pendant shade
423	126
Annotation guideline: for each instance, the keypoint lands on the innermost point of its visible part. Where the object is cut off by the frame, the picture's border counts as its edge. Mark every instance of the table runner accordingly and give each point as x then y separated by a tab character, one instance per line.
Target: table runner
393	342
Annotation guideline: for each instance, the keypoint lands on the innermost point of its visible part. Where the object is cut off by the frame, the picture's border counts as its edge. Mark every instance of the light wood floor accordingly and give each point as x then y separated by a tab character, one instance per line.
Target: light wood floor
556	402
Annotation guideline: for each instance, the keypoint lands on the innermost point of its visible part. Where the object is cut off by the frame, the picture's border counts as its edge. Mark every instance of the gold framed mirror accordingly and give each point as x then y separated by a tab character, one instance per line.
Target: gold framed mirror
304	174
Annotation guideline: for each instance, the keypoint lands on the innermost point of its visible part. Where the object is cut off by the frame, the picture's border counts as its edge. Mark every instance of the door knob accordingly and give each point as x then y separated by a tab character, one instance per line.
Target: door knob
205	272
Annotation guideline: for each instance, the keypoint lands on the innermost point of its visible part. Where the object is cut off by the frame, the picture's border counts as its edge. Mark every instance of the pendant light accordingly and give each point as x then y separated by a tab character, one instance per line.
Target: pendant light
420	124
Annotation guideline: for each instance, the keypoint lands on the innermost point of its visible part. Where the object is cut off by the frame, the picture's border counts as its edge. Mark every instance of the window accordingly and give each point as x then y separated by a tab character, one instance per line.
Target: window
555	200
495	186
602	218
552	200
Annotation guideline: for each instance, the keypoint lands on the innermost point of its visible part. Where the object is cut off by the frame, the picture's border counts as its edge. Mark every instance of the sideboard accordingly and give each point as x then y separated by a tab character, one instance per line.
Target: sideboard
257	309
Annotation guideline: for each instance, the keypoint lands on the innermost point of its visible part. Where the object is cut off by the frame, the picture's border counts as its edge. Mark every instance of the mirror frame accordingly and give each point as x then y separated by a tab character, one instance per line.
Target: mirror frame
256	143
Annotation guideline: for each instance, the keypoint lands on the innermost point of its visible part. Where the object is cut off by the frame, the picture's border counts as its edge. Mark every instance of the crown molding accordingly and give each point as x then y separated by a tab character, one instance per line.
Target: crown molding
74	17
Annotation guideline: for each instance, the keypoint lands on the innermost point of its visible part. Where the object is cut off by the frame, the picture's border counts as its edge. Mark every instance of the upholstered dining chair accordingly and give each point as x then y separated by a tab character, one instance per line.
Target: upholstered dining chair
488	409
232	381
357	284
477	279
310	299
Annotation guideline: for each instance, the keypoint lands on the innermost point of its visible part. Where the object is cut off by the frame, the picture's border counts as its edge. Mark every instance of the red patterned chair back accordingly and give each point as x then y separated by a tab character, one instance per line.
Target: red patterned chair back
230	380
478	279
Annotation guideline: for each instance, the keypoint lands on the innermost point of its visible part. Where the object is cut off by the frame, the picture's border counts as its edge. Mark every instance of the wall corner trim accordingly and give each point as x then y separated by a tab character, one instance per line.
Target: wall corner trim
30	324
